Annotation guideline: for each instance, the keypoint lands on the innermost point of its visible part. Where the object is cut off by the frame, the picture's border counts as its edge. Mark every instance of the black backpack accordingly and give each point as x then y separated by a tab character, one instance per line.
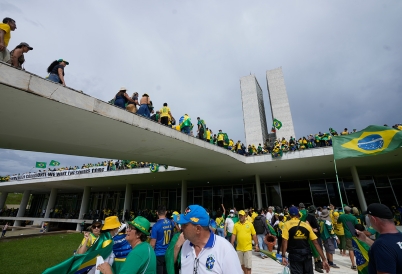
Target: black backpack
259	225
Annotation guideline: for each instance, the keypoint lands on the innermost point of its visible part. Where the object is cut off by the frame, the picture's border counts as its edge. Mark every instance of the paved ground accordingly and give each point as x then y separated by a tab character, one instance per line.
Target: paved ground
263	266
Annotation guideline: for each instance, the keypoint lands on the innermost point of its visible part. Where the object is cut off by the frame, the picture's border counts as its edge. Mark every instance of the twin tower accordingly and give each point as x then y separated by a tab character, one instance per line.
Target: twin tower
255	121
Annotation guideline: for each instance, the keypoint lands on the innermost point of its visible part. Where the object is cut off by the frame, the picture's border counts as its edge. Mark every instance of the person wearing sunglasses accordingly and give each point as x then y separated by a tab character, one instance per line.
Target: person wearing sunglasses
142	258
90	237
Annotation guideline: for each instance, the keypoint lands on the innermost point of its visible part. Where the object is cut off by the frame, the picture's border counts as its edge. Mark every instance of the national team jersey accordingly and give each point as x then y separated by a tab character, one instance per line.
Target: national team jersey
162	232
217	256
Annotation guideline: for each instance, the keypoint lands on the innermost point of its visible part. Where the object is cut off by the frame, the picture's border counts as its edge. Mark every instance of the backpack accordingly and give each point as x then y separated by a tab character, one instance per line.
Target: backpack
259	225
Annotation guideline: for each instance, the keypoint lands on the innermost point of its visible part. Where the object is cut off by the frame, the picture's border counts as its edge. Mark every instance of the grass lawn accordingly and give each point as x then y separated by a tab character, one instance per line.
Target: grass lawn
14	198
34	255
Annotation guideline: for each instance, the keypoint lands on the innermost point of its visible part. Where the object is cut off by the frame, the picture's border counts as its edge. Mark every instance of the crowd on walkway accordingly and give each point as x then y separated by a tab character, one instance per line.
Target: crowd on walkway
303	239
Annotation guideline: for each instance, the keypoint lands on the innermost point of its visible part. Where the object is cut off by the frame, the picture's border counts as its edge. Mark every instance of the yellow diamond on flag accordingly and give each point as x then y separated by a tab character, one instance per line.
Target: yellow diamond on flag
371	142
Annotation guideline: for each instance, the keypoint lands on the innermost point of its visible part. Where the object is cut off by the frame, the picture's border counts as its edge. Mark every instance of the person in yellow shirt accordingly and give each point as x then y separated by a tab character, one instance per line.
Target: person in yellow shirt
208	135
90	237
220	138
6	28
345	132
253	214
295	240
338	229
244	232
164	115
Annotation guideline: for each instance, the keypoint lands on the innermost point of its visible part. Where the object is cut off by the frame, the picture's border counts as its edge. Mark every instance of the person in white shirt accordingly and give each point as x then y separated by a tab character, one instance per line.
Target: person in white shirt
270	214
229	224
203	251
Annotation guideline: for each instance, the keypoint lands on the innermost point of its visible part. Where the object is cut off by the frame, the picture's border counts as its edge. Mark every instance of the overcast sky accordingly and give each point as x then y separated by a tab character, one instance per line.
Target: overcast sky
341	59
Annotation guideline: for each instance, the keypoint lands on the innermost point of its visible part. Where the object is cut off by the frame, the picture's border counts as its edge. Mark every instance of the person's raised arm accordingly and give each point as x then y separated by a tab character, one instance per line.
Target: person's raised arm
129	98
223	208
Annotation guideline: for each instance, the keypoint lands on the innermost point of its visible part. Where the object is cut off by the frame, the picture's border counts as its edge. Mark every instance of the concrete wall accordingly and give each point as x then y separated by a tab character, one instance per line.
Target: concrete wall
255	123
280	107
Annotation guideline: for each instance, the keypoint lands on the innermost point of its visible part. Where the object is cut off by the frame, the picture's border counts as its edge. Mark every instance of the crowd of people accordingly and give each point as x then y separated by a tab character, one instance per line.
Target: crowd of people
111	165
195	241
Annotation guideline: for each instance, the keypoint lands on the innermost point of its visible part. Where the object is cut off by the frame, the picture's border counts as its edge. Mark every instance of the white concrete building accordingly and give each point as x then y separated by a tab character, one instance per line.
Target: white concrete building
255	123
280	107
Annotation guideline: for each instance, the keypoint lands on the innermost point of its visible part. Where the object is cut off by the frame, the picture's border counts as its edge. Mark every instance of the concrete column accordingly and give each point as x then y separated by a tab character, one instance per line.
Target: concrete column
84	205
359	190
258	188
51	202
183	196
23	206
127	199
3	198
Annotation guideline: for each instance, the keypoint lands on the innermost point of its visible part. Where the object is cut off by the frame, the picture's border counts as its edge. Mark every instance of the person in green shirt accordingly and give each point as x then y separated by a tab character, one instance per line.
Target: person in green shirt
302	212
142	258
349	221
328	235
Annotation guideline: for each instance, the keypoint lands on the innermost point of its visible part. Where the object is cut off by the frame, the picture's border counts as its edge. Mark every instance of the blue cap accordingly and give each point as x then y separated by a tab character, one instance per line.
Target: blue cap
194	214
293	211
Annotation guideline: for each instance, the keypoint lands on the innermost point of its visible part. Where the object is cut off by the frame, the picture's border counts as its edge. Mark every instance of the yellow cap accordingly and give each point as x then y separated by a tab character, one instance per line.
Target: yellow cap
241	212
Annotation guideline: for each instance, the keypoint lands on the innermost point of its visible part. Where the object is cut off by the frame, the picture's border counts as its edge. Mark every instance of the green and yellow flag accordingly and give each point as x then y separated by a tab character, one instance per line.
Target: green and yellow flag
40	165
277	124
372	140
82	263
54	163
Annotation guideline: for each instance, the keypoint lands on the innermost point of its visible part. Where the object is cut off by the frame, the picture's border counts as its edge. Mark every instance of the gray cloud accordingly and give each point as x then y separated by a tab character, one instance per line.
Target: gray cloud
341	60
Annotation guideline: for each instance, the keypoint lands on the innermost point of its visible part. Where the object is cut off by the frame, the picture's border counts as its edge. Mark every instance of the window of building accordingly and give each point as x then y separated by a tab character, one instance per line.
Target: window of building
273	195
319	192
333	192
296	192
396	184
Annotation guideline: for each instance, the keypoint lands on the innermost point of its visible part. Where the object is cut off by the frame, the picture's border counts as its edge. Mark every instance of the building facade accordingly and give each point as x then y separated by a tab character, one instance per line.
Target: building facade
255	123
280	107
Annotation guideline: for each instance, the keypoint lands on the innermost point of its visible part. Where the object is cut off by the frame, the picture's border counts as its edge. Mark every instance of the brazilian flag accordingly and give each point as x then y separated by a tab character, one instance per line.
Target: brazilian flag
277	124
82	263
184	121
54	163
40	165
372	140
361	253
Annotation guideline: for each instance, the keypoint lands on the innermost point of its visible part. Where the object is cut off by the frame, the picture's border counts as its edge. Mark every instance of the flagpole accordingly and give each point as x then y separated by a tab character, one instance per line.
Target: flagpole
337	181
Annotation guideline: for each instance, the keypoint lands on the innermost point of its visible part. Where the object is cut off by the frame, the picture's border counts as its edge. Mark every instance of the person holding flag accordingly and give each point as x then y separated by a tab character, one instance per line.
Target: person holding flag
201	128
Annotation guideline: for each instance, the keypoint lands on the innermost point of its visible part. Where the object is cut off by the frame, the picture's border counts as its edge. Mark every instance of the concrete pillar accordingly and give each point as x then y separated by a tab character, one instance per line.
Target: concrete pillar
183	196
359	190
3	198
258	188
51	202
23	206
127	199
84	205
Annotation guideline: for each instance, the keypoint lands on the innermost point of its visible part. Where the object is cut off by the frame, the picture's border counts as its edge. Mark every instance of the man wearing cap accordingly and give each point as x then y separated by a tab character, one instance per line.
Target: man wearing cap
162	232
385	254
6	27
295	240
203	251
243	233
349	221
